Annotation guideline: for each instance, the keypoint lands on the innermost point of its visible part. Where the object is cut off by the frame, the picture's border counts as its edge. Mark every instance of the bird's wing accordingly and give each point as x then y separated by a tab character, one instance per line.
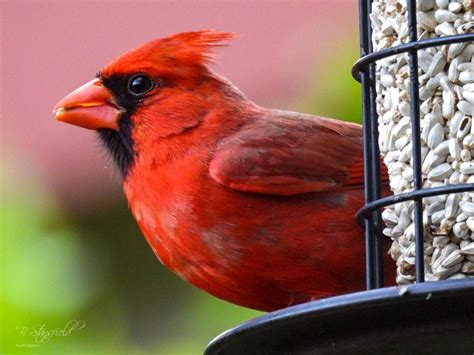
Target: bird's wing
290	153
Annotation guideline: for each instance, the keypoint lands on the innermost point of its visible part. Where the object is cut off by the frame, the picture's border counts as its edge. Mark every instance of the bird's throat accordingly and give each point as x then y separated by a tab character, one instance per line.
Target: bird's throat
120	146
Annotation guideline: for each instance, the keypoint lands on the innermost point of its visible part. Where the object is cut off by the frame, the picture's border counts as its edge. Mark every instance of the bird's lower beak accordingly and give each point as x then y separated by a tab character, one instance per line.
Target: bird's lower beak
90	106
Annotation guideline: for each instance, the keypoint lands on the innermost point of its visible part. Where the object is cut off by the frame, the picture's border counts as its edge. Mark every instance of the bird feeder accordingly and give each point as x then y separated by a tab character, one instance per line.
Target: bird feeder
417	75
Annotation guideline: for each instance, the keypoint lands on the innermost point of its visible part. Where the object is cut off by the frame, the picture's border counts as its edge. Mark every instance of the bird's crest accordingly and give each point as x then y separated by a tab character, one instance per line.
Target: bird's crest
186	49
193	47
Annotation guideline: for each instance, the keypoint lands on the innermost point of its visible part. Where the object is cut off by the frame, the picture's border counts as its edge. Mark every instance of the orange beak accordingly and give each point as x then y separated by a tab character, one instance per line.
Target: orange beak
90	106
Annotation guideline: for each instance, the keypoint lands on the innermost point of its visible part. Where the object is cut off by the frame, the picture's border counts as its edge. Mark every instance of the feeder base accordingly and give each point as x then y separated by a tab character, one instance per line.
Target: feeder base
432	317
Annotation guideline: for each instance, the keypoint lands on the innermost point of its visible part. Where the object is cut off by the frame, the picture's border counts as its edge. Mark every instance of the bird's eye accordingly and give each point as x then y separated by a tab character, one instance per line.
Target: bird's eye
140	84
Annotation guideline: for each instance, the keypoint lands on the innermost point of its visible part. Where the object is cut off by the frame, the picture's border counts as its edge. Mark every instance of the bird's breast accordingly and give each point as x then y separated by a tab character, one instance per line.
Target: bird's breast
220	239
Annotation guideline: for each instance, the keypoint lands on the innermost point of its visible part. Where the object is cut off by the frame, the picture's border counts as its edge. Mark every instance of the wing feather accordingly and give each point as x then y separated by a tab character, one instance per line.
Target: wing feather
287	153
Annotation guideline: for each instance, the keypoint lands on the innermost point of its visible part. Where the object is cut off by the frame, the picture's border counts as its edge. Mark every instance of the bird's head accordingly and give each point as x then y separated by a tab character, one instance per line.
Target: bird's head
159	89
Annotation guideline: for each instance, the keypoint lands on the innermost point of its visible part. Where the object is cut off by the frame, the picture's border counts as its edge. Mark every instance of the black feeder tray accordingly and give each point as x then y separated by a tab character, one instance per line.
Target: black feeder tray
425	318
422	318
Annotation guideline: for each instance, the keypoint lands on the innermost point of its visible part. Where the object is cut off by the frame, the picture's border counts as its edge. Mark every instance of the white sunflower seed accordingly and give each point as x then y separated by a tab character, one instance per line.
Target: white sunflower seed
442	15
452	204
454	7
466	77
470	223
466	107
442	4
436	136
468	250
452	259
467	167
467	208
440	172
468	268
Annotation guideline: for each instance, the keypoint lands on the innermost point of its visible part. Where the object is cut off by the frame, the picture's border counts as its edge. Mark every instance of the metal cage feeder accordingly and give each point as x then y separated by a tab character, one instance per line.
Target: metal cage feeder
425	317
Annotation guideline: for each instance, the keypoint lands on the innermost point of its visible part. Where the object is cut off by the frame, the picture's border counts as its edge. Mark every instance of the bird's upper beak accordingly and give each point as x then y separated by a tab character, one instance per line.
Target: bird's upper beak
90	106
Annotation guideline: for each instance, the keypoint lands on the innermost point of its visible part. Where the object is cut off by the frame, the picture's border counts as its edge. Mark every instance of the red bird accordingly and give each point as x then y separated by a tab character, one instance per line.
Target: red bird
253	205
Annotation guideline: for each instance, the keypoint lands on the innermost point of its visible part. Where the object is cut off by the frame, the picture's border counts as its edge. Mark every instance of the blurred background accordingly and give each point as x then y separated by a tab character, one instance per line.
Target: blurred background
69	248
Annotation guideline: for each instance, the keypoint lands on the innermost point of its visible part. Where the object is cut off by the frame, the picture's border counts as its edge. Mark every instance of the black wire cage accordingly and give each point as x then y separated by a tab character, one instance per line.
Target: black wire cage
425	317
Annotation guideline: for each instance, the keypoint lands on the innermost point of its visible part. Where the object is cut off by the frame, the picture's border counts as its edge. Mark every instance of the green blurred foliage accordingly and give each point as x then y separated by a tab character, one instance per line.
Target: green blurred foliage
47	273
334	92
93	266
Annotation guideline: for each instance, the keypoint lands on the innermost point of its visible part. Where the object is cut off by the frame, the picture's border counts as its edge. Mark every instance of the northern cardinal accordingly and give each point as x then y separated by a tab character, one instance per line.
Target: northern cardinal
256	206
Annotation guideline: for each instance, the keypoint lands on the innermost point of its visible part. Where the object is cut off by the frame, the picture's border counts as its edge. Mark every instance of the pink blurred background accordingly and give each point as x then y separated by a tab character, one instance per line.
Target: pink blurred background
51	47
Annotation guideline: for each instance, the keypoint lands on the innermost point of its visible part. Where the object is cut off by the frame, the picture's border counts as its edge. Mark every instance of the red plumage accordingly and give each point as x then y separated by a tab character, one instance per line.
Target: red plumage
255	206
